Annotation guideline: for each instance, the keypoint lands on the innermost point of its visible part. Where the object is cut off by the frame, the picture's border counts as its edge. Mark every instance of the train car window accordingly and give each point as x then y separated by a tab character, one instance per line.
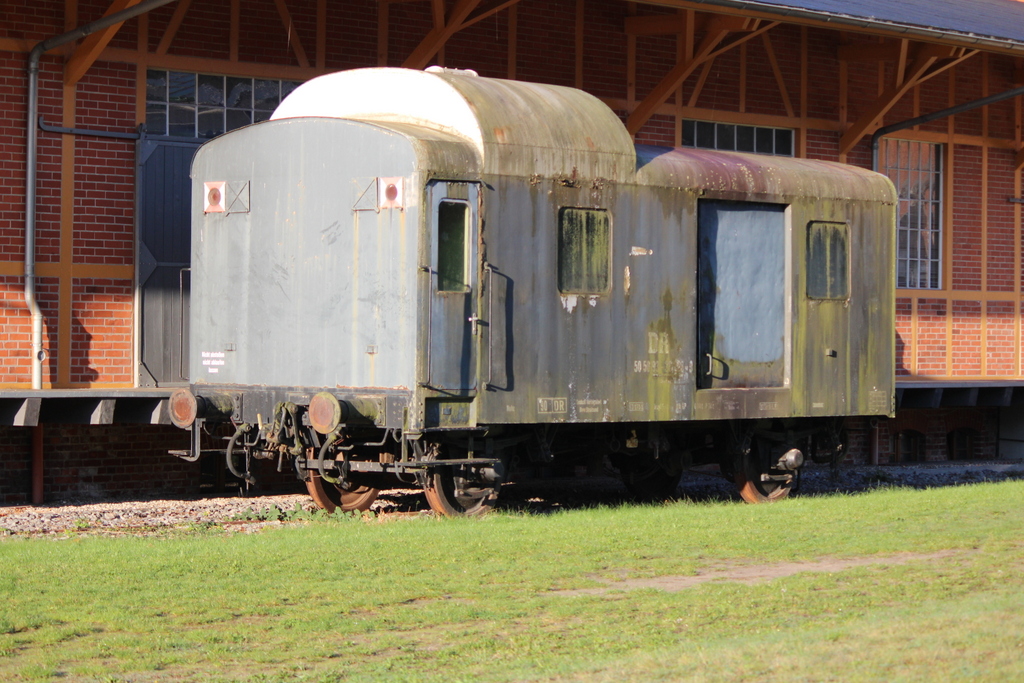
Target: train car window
828	260
584	251
452	244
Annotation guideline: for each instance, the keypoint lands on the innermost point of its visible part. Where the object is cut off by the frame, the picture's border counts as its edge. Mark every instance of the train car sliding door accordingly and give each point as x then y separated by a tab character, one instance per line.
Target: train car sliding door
455	283
741	295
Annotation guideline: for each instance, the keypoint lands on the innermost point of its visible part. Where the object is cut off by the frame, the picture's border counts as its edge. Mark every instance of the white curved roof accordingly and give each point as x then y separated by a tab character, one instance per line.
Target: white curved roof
517	128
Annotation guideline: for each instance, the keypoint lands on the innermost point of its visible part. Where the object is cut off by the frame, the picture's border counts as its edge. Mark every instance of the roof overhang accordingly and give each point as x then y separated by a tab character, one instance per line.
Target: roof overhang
872	16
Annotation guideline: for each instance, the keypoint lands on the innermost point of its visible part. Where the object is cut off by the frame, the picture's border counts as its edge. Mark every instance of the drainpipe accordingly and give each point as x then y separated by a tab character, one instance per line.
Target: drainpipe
31	148
941	114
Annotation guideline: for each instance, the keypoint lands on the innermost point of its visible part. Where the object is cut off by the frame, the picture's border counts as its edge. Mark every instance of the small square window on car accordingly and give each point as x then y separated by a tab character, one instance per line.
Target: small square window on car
827	260
584	251
452	246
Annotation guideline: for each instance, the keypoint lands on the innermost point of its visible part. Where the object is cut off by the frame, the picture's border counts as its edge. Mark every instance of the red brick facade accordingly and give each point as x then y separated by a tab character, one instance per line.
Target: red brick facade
968	330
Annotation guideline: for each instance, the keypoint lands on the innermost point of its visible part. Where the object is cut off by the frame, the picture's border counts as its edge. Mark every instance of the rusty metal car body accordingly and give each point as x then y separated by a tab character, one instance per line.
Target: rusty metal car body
426	274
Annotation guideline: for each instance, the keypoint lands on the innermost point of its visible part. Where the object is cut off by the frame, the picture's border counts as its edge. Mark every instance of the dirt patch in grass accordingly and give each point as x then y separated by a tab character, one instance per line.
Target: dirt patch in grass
751	574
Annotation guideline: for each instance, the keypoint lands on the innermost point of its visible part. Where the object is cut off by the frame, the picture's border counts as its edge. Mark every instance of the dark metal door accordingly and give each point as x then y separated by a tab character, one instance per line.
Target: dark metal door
163	196
741	295
454	285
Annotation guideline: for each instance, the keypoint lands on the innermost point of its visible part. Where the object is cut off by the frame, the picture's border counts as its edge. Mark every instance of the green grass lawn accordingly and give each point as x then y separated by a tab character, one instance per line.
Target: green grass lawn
481	599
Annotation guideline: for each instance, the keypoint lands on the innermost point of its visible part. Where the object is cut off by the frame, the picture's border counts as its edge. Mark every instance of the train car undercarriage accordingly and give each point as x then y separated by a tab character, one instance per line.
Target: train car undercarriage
346	464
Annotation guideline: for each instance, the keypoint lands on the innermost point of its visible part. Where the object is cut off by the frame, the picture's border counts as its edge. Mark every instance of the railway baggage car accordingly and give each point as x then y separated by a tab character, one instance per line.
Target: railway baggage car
430	276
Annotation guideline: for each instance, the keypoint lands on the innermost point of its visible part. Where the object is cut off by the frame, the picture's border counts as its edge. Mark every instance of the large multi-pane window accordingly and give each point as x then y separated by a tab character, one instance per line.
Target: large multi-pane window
916	170
737	138
194	105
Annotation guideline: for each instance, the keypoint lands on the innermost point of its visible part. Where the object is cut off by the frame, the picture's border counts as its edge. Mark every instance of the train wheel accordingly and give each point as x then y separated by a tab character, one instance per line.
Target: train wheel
759	483
450	492
331	497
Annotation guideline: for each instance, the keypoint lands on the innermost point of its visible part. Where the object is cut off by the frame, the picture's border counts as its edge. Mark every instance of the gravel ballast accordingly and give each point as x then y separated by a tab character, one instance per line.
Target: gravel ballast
247	514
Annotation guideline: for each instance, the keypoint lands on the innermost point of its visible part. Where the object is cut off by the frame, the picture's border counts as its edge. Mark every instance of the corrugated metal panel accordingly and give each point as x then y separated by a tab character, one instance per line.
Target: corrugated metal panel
970	20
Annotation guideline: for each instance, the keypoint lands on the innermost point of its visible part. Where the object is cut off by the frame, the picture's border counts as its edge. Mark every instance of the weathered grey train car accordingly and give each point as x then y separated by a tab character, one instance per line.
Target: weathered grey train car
423	274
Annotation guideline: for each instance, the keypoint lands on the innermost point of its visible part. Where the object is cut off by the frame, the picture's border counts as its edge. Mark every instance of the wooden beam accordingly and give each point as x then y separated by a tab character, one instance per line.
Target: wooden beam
437	14
293	38
173	26
234	29
508	4
744	36
925	58
1018	160
93	44
61	336
141	65
901	63
778	74
677	122
25	45
436	39
802	140
962	54
655	25
206	65
709	63
717	29
1017	110
701	80
984	189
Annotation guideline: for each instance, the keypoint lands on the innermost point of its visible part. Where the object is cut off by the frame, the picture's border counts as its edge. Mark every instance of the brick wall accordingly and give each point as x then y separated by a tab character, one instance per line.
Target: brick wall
545	52
1000	346
936	426
1000	223
951	337
966	223
85	462
89	462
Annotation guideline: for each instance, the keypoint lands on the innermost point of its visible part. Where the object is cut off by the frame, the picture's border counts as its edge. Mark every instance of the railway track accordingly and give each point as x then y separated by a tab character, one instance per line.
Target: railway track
246	514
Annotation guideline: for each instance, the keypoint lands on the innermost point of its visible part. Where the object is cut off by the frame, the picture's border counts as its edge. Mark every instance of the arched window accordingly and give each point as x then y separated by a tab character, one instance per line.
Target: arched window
961	444
909	446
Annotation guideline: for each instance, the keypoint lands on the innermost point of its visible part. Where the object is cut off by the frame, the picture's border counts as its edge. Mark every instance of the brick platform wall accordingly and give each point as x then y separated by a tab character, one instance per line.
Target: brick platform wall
89	462
85	462
935	425
15	465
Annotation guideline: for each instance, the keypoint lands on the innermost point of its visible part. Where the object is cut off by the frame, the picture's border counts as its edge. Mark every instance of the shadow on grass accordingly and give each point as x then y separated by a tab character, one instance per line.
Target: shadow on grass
545	496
